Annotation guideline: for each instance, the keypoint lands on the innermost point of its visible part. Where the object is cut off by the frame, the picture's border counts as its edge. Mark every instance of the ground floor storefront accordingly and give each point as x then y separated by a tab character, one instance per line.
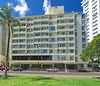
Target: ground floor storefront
47	65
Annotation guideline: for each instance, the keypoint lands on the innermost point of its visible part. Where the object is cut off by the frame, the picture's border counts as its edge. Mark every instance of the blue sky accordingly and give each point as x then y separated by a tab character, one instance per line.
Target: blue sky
35	7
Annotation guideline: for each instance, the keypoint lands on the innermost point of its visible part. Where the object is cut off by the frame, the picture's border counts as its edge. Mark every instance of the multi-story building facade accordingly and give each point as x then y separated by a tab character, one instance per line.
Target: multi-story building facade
91	9
48	40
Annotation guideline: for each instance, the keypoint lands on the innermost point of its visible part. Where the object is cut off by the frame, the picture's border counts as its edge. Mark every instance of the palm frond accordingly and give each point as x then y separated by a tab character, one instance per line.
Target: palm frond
12	31
2	15
2	21
6	12
16	21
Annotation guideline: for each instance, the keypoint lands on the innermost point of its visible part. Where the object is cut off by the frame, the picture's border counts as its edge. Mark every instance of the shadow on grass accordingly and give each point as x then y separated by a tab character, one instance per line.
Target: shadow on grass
98	77
33	79
0	76
43	79
9	76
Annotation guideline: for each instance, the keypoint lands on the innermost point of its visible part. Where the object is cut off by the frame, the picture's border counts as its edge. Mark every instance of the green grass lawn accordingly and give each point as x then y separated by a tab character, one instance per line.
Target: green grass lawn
25	80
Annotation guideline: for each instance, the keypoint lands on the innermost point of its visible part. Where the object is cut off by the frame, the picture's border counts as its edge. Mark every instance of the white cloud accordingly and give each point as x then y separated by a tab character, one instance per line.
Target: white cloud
46	4
9	4
22	8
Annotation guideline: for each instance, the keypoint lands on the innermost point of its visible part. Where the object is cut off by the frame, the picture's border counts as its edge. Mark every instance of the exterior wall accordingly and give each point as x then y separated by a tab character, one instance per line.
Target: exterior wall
80	35
55	10
47	39
44	42
91	8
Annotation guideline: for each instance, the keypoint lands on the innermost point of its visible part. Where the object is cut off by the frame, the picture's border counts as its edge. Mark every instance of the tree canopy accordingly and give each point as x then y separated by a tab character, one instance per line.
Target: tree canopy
92	50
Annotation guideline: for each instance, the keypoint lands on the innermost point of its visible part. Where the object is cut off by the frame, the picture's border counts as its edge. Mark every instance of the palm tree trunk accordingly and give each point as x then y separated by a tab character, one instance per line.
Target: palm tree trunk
7	55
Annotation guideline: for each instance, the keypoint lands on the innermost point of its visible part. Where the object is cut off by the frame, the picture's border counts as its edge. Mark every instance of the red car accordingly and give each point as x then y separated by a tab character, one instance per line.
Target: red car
2	68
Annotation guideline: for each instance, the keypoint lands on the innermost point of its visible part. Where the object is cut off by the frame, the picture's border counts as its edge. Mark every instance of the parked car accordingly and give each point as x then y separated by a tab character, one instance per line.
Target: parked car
53	70
85	70
2	68
17	69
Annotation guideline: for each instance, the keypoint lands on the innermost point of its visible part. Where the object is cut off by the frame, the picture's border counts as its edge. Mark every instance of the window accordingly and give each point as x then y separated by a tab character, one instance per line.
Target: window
44	51
29	35
61	39
61	27
21	40
18	51
44	45
61	51
36	40
71	45
14	41
52	46
37	23
21	46
83	40
71	51
37	34
52	28
30	40
61	33
71	32
44	34
62	45
52	39
71	57
94	14
44	40
29	30
15	46
71	38
44	22
44	28
70	20
36	45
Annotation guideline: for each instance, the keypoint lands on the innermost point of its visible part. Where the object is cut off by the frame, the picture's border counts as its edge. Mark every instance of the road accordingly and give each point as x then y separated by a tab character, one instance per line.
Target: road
80	74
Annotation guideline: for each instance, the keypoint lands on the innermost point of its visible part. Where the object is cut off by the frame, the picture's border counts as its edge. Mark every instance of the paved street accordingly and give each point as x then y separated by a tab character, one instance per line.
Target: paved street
79	74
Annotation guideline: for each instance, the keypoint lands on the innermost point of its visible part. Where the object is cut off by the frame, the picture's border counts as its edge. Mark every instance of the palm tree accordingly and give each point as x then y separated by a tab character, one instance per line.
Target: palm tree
7	19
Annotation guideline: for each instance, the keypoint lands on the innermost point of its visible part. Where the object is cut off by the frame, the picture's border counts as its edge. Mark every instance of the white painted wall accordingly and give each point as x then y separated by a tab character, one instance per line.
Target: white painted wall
89	11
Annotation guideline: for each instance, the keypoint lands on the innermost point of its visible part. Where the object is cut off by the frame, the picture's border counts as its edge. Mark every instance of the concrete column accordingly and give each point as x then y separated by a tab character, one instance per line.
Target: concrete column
78	67
53	65
85	65
30	66
41	67
66	68
20	65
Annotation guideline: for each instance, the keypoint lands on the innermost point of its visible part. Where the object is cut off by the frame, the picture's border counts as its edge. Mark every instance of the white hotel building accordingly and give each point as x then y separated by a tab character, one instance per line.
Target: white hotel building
91	9
52	40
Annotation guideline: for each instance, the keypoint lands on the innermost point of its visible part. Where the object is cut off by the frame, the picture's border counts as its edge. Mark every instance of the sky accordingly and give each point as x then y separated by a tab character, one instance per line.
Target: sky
36	7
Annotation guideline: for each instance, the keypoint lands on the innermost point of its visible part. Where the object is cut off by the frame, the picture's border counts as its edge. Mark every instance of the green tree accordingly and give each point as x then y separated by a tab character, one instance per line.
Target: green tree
92	51
7	19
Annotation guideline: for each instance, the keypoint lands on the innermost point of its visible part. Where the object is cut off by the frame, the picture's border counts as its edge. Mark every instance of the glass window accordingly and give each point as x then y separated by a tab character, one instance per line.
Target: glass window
71	57
71	51
71	32
71	44
71	38
52	39
61	39
44	51
52	28
61	45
